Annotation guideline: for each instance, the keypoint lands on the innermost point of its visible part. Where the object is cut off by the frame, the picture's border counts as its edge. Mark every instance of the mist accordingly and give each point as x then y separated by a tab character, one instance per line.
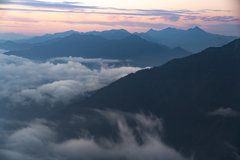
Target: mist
38	140
24	82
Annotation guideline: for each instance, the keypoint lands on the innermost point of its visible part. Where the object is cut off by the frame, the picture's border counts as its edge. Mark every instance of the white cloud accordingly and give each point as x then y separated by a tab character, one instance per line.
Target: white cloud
3	51
23	81
37	141
83	60
224	112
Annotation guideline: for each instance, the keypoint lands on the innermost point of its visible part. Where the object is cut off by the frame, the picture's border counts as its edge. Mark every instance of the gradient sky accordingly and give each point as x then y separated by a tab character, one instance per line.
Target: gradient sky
37	17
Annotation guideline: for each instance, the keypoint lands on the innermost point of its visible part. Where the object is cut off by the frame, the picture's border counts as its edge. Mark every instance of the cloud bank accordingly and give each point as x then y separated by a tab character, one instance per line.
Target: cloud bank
23	82
37	140
229	112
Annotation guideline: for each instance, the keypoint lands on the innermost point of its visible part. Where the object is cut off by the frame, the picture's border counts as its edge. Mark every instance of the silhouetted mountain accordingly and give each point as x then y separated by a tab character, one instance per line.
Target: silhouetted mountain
111	34
197	97
46	37
13	46
9	45
193	39
12	36
142	52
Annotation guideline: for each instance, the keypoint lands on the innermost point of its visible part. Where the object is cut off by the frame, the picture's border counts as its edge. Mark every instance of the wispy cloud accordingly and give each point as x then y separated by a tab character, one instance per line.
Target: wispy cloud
213	10
76	7
132	13
83	60
24	82
153	18
122	23
190	18
229	112
166	15
212	18
219	18
18	19
42	4
38	140
173	18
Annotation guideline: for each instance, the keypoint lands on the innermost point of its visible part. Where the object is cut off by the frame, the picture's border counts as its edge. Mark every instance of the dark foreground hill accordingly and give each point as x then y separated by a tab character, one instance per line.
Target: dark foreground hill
140	51
197	97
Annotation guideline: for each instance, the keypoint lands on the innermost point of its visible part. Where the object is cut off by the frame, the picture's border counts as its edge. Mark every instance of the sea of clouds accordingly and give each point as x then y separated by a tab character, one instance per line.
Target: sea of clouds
38	140
28	83
23	82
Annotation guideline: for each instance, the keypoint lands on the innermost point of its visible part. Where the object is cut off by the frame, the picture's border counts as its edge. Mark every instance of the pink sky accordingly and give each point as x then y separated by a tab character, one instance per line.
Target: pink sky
37	17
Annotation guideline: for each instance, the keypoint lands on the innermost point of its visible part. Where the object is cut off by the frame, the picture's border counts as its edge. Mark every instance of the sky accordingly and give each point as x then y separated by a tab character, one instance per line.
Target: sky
38	17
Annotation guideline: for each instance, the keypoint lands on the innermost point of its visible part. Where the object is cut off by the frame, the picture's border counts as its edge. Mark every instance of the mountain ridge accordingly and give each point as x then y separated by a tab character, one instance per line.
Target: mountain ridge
193	39
142	52
183	92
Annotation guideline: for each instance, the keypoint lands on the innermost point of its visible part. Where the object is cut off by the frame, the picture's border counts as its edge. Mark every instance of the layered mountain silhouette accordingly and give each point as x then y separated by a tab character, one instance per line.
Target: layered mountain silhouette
14	46
25	43
193	39
47	37
197	97
111	34
12	36
134	48
108	34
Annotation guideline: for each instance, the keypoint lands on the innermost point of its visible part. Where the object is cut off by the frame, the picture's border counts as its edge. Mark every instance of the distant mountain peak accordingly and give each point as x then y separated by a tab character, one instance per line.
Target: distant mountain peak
151	30
119	30
70	31
170	28
196	29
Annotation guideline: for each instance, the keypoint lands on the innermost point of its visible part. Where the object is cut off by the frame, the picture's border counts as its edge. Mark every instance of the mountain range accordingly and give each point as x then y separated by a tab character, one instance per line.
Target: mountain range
14	46
12	36
193	39
139	51
197	98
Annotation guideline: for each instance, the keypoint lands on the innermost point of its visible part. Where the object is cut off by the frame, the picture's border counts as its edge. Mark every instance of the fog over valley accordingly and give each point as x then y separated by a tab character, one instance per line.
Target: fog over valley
26	83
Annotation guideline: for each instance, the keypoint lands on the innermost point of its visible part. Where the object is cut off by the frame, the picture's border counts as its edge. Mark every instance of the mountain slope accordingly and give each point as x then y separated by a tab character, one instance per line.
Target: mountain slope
197	97
193	39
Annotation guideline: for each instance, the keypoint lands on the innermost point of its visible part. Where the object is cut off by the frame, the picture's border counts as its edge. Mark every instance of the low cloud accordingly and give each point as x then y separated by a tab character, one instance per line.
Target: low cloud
153	18
18	19
190	18
83	60
38	141
212	18
122	23
173	18
228	112
23	81
220	18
